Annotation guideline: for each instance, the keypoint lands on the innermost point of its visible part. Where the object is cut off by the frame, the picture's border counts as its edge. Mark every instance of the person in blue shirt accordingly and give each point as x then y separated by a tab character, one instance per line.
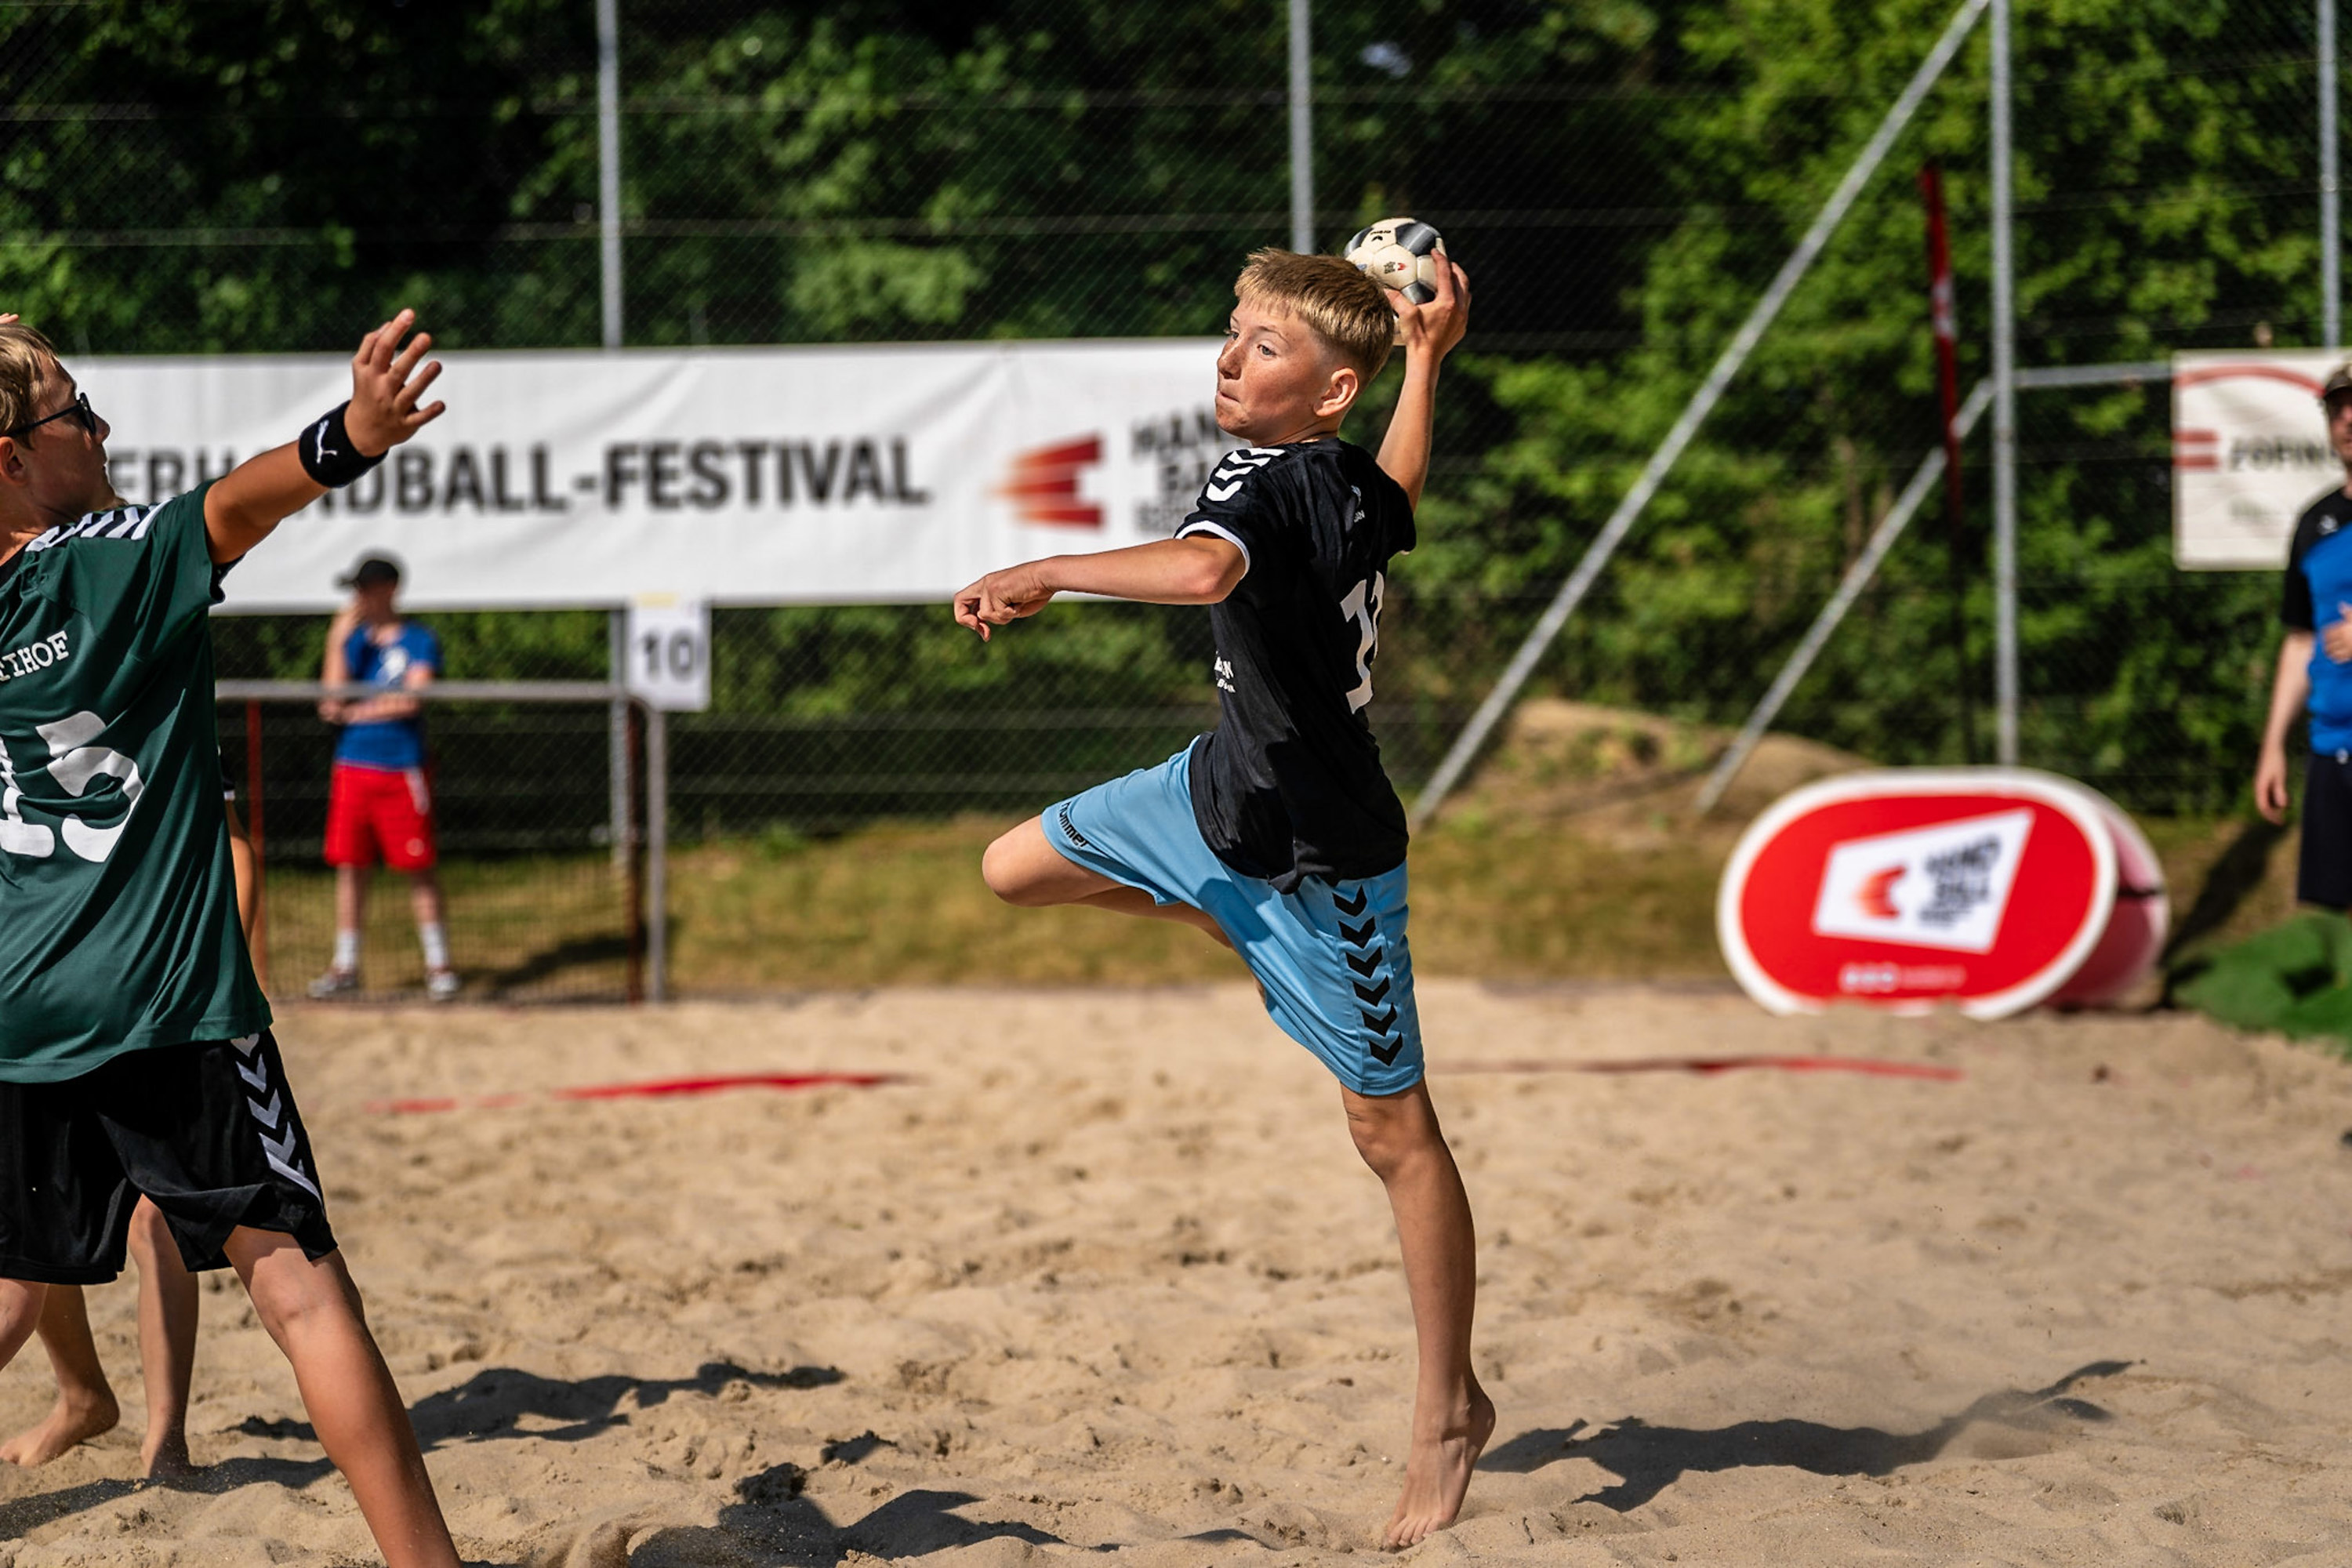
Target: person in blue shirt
379	795
2315	675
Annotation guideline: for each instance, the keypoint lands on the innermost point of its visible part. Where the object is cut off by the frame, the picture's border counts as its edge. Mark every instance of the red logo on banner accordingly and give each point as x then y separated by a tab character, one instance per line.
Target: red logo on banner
1989	889
2203	449
1043	485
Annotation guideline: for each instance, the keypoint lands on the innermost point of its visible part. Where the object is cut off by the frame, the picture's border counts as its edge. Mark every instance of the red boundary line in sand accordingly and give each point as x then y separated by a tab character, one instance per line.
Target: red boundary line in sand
1709	1066
668	1087
657	1089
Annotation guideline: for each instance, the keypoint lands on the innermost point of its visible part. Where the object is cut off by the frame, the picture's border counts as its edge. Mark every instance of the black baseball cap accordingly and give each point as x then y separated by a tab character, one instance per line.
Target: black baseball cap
2339	382
370	571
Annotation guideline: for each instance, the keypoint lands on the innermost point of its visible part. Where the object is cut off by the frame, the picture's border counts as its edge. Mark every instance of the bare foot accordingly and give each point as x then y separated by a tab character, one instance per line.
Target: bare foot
67	1423
166	1459
1437	1474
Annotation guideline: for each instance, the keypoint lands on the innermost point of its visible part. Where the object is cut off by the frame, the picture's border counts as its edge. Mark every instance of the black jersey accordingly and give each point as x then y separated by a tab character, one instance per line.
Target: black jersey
1289	785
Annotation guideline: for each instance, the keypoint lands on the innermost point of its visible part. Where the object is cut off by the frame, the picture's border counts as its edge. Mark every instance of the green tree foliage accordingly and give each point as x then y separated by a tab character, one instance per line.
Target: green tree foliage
1621	178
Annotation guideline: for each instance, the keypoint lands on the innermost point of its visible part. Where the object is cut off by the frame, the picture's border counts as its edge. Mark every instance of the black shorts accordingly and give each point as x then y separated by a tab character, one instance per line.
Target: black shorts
2324	875
208	1131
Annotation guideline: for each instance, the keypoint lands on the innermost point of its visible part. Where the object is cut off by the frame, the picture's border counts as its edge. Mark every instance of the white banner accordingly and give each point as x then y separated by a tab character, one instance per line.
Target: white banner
879	475
2248	452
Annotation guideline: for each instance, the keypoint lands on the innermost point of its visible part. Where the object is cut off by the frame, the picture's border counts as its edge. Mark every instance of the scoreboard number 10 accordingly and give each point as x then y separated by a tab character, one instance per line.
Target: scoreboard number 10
669	644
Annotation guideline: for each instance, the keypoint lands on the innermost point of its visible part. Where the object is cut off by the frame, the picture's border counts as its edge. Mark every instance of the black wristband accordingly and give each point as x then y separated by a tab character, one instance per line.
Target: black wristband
326	453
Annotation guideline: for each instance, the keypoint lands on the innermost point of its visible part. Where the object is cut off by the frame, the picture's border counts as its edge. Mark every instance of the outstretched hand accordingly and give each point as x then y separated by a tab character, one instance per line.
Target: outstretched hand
1001	598
385	385
1434	328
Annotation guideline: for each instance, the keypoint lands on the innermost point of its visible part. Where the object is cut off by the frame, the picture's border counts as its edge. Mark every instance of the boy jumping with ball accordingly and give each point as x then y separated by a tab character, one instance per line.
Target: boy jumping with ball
1277	833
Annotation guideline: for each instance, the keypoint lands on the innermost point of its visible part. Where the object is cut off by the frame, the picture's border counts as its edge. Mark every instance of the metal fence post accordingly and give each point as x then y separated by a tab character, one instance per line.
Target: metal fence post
2005	407
624	828
657	854
608	159
2331	217
1302	129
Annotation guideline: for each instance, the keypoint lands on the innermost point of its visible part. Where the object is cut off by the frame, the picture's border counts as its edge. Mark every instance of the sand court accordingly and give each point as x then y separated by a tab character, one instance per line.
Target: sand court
1105	1276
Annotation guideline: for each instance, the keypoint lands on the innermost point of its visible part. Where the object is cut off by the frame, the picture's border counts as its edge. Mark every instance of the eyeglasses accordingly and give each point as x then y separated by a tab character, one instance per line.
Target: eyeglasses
78	409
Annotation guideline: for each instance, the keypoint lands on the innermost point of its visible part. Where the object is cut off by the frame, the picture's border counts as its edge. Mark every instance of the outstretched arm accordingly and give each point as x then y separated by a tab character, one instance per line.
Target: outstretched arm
1198	571
1429	332
261	492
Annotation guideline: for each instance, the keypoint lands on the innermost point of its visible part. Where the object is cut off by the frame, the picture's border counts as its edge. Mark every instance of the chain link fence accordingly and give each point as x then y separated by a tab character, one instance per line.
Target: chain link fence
541	869
1620	182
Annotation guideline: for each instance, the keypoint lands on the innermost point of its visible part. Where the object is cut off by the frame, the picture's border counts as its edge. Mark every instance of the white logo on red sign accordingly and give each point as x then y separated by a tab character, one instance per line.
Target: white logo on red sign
1943	887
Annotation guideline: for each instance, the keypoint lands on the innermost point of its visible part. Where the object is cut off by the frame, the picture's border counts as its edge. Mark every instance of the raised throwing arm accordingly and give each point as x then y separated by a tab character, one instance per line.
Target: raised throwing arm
263	491
1430	333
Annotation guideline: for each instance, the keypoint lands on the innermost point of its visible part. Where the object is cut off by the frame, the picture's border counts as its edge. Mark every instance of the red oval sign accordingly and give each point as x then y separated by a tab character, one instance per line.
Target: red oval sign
1986	889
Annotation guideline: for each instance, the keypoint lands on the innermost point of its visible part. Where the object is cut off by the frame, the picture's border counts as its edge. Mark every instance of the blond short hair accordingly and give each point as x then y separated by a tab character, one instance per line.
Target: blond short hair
1341	305
25	355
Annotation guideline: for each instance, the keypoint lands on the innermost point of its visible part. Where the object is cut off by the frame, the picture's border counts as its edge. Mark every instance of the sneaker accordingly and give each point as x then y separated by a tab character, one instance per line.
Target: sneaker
443	985
335	982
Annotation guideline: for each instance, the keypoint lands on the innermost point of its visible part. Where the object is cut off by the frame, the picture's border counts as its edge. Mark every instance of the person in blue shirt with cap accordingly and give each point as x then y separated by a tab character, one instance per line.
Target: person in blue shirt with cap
379	795
2315	675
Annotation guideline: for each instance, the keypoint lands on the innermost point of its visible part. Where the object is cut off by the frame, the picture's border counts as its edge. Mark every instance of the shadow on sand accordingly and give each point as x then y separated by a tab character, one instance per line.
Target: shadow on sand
495	1402
772	1526
493	1405
1648	1459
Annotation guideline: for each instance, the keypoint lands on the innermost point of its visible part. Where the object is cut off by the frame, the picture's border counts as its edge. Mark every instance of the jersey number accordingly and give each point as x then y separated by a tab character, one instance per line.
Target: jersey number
73	762
1362	605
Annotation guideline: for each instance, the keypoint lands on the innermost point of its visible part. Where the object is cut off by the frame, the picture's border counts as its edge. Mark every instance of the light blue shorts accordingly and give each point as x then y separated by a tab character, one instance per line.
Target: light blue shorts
1331	959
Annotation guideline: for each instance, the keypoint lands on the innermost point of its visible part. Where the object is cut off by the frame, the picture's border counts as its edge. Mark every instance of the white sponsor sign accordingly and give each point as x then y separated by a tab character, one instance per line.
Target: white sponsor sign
888	474
1944	887
669	659
2250	451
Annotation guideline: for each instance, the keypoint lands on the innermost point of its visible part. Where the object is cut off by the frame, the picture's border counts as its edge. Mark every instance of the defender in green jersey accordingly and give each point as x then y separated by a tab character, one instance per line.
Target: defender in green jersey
135	1057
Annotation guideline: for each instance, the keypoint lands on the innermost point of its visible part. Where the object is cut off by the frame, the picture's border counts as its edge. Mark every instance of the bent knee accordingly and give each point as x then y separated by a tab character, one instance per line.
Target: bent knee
1391	1131
1011	868
150	1231
288	1308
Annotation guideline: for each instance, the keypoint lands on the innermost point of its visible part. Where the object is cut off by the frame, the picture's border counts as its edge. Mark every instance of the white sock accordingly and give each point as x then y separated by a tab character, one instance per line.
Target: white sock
347	951
436	940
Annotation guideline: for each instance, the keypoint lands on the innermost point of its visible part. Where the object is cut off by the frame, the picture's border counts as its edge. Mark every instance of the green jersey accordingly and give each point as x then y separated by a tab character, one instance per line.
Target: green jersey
118	904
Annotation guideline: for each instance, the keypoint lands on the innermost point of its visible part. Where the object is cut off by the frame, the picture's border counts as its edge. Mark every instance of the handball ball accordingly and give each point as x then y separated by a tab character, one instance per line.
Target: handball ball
1400	252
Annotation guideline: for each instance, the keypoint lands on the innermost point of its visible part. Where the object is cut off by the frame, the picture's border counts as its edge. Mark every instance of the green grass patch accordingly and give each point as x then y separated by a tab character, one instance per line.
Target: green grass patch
902	904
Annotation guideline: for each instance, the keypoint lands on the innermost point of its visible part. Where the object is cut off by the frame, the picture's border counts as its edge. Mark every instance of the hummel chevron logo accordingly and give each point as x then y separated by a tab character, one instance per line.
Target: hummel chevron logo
280	1158
278	1150
1363	897
1366	964
1379	1024
1371	994
1356	936
1387	1058
1237	466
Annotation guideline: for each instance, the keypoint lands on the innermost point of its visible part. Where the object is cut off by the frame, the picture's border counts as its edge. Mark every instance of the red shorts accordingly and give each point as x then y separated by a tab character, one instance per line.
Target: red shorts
380	811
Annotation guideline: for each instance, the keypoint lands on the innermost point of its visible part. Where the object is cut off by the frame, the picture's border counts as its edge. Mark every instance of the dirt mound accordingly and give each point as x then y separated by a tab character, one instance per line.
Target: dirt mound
1620	769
